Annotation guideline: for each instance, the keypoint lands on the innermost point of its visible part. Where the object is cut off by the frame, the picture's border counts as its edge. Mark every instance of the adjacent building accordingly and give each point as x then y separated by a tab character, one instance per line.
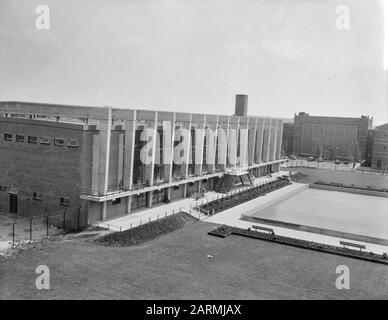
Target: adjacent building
331	137
380	148
111	161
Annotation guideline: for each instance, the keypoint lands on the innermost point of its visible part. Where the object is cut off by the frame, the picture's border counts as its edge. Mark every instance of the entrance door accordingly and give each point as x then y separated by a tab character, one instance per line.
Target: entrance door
158	196
138	201
13	203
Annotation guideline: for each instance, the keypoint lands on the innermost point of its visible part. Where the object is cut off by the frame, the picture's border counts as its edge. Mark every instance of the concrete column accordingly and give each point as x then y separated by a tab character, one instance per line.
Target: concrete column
238	130
104	151
169	193
129	149
172	147
104	211
199	185
95	160
251	144
149	199
213	165
185	190
211	183
269	142
274	123
227	146
128	204
120	160
199	143
167	145
259	140
266	140
186	164
243	146
154	148
279	139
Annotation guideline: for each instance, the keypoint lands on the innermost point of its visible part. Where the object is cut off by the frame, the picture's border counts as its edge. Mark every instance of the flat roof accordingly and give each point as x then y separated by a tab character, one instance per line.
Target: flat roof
92	112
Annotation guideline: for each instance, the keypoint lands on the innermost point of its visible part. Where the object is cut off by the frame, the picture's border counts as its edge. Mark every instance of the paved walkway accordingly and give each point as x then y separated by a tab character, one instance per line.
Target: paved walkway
143	216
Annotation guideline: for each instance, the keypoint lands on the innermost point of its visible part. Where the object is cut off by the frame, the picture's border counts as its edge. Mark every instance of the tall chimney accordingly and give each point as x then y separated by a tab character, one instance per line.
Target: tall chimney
241	108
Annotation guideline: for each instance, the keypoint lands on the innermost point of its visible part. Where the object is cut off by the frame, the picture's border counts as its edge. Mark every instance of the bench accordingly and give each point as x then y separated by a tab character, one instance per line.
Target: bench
263	229
350	244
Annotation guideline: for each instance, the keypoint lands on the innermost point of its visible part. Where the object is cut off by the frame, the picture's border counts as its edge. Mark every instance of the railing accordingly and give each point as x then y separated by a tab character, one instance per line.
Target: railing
328	165
217	207
193	210
143	221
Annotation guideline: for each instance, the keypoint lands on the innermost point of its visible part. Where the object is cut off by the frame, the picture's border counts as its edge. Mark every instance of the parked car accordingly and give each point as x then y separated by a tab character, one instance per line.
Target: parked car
337	161
292	157
320	159
310	158
346	162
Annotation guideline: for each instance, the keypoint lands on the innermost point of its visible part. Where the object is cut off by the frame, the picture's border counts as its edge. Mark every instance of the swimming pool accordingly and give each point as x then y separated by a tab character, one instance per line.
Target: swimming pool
339	211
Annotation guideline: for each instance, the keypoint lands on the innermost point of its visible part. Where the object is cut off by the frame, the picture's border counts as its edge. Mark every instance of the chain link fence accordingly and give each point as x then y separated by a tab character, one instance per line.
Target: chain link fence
30	229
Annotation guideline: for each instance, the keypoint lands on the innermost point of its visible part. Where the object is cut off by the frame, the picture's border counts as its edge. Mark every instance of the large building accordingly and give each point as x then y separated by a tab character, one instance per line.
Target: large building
380	148
111	161
332	137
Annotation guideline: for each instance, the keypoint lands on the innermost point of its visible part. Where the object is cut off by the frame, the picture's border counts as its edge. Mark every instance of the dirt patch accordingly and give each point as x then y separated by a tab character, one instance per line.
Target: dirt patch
147	232
96	228
83	236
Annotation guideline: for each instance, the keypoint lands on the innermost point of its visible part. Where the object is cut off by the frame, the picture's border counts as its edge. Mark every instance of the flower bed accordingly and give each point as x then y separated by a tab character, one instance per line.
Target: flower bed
147	231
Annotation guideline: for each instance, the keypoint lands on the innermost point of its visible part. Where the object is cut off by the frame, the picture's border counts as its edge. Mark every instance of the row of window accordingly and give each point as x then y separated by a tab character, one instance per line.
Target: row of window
63	201
60	142
36	196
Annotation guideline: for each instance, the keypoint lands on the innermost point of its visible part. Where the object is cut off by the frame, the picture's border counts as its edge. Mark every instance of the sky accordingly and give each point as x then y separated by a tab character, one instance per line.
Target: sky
196	55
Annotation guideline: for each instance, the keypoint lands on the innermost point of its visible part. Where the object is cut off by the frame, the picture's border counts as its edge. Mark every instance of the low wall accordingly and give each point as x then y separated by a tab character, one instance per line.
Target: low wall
349	189
311	229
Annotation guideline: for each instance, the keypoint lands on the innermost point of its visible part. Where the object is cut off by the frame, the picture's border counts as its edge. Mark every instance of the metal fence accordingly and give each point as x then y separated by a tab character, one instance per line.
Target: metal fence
330	165
30	229
145	220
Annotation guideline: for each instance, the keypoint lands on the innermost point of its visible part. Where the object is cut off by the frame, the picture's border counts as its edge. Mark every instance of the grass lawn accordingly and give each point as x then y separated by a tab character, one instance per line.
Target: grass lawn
346	177
175	266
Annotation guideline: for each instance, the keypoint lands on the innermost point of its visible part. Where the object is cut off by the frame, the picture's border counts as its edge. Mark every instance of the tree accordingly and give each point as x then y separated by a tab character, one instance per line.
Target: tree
318	149
356	150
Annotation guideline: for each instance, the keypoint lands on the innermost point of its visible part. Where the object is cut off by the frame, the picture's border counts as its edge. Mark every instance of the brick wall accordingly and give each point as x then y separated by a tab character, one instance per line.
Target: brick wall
50	171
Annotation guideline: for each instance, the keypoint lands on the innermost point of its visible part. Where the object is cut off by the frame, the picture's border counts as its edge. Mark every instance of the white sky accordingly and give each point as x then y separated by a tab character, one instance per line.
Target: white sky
195	55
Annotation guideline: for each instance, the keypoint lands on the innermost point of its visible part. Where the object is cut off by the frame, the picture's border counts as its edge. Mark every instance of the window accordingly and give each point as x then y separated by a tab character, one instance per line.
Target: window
3	188
59	142
32	139
19	138
44	140
36	196
116	201
65	202
8	136
72	143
